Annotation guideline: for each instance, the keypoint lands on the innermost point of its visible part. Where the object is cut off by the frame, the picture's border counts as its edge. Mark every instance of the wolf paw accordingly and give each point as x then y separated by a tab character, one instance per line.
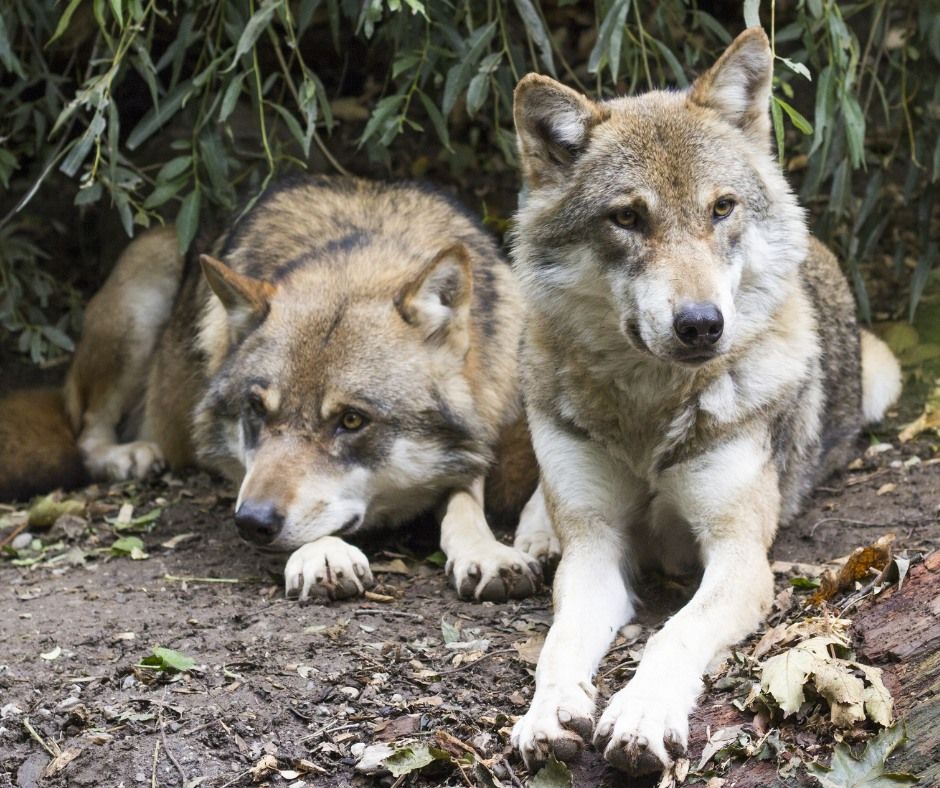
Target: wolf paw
121	461
328	568
494	572
543	546
557	723
642	732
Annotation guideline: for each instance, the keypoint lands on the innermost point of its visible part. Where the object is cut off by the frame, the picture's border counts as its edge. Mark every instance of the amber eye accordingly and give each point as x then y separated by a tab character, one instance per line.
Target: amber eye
626	218
723	207
352	420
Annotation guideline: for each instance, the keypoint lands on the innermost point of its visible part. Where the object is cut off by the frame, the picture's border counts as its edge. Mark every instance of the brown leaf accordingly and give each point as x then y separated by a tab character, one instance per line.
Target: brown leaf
530	649
857	567
61	760
398	728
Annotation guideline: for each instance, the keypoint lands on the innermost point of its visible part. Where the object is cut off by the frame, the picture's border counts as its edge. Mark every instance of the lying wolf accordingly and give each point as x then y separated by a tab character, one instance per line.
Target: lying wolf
691	366
349	359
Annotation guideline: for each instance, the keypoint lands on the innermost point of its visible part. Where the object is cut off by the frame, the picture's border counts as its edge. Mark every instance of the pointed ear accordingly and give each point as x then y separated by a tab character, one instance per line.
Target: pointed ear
737	87
245	299
553	125
438	300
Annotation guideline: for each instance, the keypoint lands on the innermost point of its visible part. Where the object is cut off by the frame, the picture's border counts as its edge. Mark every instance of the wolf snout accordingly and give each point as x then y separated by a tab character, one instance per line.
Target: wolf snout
699	325
258	522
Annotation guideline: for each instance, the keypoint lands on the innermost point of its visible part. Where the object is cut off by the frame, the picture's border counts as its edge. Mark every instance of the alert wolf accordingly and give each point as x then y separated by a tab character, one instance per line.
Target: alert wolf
691	364
347	356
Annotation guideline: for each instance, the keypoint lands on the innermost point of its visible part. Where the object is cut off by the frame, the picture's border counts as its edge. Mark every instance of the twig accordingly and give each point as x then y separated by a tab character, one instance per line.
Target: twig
8	539
328	729
615	668
166	748
466	665
153	771
367	611
38	738
512	775
236	778
188	579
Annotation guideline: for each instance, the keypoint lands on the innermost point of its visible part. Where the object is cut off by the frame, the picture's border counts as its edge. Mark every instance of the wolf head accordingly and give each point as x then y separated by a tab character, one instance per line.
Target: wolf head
663	214
344	402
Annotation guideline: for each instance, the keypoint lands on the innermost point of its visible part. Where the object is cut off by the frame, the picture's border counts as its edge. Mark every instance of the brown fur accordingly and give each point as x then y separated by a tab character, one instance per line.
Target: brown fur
37	445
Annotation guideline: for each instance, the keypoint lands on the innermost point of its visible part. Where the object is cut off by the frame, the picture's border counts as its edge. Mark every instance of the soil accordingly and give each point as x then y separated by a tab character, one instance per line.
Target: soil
309	685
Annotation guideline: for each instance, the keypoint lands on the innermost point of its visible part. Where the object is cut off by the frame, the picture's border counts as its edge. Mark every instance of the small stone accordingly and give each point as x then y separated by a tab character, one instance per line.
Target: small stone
911	462
350	692
22	541
878	448
357	749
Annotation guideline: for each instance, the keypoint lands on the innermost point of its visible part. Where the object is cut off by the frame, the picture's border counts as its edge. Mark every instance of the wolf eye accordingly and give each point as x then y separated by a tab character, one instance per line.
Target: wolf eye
723	207
256	405
626	218
352	421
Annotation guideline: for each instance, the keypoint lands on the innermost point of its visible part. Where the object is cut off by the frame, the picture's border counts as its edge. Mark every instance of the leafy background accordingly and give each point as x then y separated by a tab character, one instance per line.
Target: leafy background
118	114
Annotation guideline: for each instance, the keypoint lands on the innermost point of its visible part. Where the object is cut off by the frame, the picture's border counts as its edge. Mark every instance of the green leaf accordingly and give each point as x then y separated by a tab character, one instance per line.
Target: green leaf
160	114
174	167
868	771
64	20
132	546
477	92
187	220
610	39
259	21
854	129
752	13
169	660
230	97
437	119
58	338
437	558
411	759
799	68
795	117
383	111
804	582
554	774
458	76
7	56
536	30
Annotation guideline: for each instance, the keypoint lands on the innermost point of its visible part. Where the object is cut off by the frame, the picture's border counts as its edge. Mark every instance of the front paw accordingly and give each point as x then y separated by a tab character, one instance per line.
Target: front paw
643	730
542	545
494	572
328	568
557	723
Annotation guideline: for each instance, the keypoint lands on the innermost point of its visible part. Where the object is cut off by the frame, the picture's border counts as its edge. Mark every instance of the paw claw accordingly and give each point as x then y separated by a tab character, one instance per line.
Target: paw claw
328	568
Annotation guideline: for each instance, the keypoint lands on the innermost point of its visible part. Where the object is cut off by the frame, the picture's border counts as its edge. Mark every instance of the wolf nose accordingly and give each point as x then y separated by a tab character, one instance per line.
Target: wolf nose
699	325
258	523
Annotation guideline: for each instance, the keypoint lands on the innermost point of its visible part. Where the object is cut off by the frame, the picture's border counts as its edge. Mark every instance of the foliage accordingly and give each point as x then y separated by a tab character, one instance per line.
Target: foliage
172	109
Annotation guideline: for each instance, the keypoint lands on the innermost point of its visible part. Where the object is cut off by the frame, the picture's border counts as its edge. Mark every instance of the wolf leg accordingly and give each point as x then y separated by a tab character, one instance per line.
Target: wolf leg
588	499
327	568
535	533
730	499
481	567
106	383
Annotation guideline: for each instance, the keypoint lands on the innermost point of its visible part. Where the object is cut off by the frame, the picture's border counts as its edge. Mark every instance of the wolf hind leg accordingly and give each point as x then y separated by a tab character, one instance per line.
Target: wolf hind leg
881	378
106	384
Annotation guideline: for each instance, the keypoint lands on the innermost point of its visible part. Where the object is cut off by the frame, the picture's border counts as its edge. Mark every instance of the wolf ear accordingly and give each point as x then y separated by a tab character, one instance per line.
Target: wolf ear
737	87
553	124
246	299
437	301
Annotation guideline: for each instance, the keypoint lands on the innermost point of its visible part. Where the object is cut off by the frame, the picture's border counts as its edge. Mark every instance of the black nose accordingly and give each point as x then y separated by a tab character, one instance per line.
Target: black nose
699	325
258	522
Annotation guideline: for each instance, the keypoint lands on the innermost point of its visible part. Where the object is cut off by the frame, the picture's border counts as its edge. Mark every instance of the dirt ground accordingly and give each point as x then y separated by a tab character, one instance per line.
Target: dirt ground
294	692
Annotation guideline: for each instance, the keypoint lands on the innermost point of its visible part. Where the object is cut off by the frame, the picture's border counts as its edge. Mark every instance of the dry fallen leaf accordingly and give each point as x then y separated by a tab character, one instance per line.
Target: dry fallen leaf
857	567
61	760
530	648
785	677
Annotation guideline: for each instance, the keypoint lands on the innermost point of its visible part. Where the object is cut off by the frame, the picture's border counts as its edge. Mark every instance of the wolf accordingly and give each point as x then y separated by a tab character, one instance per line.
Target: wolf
691	366
346	355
